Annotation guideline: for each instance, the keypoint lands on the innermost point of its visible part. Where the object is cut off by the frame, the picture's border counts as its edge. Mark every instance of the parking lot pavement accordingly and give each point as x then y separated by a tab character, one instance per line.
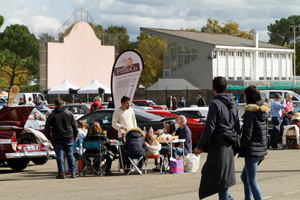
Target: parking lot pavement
278	177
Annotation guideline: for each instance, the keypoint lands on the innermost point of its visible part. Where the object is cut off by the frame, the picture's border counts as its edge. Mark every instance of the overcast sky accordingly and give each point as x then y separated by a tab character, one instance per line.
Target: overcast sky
133	14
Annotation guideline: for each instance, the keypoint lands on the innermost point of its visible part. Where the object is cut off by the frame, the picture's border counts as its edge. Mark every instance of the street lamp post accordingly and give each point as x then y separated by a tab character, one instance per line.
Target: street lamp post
294	27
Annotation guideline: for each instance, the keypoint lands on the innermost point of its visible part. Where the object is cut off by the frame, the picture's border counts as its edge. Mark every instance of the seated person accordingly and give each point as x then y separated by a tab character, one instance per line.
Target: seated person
168	129
134	146
184	133
108	152
152	147
82	131
296	120
286	121
40	117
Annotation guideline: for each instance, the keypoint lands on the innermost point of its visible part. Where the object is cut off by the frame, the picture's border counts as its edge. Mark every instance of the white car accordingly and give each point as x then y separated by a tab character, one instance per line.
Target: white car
200	112
269	95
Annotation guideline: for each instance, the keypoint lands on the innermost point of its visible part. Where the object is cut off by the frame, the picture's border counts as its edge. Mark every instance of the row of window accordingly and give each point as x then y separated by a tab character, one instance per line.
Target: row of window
270	78
248	54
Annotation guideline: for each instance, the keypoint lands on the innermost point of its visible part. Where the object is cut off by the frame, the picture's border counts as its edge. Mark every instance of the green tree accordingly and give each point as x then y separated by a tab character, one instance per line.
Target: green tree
1	20
150	47
122	37
19	54
279	31
229	27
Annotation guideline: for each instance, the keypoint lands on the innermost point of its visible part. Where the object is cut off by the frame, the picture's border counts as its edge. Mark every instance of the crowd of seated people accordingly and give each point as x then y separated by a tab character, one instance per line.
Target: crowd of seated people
138	144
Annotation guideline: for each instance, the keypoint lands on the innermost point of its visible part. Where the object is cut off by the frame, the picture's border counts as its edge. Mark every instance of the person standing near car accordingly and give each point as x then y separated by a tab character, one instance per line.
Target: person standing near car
218	173
39	103
170	102
254	140
276	107
124	119
29	102
181	102
201	102
61	123
289	105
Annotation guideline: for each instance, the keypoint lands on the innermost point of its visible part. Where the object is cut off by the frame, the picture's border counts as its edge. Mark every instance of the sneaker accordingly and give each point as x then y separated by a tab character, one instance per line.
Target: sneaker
127	171
73	175
61	176
109	173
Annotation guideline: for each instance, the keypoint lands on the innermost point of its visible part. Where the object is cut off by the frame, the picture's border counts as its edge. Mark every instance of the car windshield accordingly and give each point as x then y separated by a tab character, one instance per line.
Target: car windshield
151	103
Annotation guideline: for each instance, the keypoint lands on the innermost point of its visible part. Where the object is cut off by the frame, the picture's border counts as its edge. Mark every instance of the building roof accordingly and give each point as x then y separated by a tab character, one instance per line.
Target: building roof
172	84
212	38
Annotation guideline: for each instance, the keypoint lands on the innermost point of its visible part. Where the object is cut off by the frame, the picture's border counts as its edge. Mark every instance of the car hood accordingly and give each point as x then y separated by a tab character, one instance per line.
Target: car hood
15	116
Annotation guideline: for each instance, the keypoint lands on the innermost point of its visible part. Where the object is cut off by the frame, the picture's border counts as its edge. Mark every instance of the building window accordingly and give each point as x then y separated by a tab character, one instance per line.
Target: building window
269	78
247	54
283	78
276	55
261	78
283	55
230	53
276	78
239	54
261	55
239	78
247	78
269	55
222	53
231	78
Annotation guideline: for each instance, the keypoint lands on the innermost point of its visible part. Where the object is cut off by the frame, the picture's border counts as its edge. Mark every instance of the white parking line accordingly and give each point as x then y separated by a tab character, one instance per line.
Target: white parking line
289	193
268	197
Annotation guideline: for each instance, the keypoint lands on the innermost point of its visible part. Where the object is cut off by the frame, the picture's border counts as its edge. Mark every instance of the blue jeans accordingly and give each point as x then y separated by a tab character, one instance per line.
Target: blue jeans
164	150
248	177
61	147
175	151
225	195
275	131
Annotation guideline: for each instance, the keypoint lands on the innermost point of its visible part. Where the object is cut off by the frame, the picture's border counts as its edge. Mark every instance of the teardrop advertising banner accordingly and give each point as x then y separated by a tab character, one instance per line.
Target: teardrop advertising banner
12	95
125	75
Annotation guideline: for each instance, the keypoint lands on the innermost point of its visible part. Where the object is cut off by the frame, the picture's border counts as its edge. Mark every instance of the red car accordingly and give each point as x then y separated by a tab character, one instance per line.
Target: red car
196	125
17	149
149	103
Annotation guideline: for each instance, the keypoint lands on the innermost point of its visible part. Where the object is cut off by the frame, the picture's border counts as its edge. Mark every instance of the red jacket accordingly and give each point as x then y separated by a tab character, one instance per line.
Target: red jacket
97	103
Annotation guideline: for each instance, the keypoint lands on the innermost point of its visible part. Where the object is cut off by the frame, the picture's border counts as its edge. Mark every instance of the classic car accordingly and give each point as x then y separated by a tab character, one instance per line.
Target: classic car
149	103
20	145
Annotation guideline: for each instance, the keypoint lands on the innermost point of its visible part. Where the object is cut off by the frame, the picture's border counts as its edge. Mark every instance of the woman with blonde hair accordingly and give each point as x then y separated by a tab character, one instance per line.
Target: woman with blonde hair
152	146
96	105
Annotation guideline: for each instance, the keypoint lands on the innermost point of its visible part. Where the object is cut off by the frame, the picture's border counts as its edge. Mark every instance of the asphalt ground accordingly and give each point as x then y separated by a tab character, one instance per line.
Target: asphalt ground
278	177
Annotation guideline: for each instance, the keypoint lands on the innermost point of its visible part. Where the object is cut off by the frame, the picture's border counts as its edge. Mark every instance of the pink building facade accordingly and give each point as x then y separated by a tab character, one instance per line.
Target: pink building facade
80	58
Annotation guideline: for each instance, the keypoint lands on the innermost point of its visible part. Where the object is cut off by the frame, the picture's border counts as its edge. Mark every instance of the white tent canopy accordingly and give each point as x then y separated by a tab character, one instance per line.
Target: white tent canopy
93	88
63	88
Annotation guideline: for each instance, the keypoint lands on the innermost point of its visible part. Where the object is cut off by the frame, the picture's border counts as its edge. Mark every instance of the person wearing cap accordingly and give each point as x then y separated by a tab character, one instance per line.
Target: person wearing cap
276	113
286	121
39	103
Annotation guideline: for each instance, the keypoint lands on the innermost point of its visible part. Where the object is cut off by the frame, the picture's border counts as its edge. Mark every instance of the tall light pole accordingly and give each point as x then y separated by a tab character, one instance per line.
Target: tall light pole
294	27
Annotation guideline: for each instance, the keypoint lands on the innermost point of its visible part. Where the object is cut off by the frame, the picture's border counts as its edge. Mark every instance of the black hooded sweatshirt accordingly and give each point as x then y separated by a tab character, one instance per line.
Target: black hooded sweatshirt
222	117
61	123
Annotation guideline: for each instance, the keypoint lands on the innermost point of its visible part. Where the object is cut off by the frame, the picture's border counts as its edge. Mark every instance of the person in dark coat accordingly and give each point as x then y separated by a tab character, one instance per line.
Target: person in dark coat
218	172
254	140
134	146
286	121
201	102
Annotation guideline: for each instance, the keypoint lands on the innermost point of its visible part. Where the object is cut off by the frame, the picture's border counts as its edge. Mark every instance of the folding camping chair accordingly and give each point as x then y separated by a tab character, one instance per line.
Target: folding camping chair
95	149
134	161
161	158
290	133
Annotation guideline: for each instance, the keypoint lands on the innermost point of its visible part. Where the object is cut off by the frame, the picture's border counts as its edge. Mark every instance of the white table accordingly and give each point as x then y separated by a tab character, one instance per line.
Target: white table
171	142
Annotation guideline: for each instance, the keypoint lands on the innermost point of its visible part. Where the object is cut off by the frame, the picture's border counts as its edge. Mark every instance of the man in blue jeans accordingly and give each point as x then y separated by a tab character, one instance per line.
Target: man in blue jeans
276	112
61	123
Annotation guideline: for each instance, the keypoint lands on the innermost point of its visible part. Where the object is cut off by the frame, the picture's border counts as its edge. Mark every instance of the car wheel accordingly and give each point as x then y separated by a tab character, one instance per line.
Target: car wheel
40	161
17	165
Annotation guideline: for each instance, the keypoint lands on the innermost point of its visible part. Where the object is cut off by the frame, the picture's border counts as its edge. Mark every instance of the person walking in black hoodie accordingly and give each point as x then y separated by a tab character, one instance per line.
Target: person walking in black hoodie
61	123
218	173
254	140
